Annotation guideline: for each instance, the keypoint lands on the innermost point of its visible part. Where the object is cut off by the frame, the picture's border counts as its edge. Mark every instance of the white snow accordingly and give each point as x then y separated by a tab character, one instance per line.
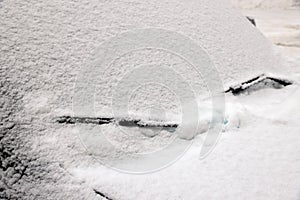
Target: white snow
47	43
266	4
257	156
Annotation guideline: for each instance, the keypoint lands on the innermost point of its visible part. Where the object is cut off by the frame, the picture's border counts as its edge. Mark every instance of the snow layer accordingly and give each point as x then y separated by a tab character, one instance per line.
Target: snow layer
43	46
57	38
266	4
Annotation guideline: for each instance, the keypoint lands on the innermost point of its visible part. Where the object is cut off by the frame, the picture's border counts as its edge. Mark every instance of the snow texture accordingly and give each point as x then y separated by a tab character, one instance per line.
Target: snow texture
43	45
266	4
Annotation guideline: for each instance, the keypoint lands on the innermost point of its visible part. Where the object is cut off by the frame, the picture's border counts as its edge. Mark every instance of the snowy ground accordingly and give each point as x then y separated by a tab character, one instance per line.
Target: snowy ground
257	156
280	26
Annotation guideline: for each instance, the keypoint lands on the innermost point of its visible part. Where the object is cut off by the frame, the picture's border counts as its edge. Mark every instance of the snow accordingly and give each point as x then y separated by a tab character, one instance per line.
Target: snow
266	4
45	45
257	156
